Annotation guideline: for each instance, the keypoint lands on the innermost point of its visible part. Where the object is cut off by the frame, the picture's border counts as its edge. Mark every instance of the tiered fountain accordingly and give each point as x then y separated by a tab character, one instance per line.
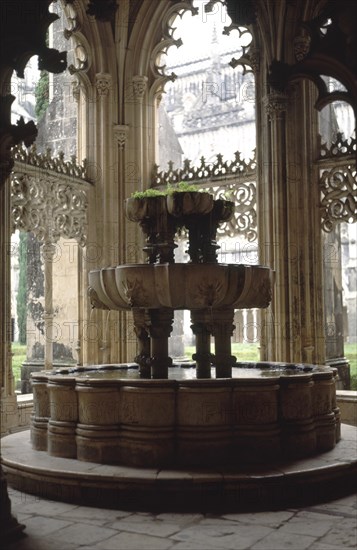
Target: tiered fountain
158	417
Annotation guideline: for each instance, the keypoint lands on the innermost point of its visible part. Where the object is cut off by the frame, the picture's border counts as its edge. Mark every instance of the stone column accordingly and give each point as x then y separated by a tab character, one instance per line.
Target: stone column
139	84
141	327
275	104
290	226
125	345
48	252
222	330
160	330
201	328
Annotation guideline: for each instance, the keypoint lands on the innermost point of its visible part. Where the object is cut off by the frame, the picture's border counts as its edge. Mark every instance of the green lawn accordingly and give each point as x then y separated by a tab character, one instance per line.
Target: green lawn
351	355
19	351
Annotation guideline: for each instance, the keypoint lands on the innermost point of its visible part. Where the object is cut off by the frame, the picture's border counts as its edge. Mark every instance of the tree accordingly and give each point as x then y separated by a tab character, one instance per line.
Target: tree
42	94
21	299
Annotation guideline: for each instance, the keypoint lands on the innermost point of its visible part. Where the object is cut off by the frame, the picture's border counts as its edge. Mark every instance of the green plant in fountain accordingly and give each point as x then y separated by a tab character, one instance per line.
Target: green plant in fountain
181	187
148	193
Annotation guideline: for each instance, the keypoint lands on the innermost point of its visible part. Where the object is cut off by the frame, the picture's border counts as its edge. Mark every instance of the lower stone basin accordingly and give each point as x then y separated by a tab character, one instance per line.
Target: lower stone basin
272	412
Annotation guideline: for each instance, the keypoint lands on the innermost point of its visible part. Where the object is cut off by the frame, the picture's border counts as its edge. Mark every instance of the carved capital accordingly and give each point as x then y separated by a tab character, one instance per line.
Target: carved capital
301	47
121	132
76	89
139	87
103	82
275	104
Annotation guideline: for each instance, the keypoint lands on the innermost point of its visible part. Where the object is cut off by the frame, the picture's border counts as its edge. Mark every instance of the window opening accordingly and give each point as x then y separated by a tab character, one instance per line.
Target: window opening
338	185
207	136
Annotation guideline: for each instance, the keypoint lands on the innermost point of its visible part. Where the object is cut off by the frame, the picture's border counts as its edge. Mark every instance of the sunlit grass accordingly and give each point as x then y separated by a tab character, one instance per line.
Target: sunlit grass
19	351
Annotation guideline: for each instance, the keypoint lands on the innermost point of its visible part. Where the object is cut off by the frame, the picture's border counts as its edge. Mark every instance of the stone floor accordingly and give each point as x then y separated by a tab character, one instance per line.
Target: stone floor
60	526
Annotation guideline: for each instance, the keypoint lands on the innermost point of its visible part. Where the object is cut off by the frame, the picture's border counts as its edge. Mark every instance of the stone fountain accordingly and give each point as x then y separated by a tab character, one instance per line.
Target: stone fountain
248	413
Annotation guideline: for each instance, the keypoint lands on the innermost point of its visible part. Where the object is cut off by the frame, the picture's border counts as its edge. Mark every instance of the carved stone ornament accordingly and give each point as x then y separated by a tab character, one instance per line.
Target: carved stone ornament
275	104
139	87
340	147
47	161
103	84
338	188
48	207
121	132
301	47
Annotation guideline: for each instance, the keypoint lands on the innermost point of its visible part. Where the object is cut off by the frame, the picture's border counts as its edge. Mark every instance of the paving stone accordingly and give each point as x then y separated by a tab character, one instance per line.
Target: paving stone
198	545
85	512
273	519
40	525
279	540
48	508
79	534
230	536
134	541
306	526
37	543
154	527
343	533
179	518
322	546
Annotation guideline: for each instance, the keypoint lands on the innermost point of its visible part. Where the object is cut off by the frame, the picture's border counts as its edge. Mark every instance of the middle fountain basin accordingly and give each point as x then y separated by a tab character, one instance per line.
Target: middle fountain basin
182	286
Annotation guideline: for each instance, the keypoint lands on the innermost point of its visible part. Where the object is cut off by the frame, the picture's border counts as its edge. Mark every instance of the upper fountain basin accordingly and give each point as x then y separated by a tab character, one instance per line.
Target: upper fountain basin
181	286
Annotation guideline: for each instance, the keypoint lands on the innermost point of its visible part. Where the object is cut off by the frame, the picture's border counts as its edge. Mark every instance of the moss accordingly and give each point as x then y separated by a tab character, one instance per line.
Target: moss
181	187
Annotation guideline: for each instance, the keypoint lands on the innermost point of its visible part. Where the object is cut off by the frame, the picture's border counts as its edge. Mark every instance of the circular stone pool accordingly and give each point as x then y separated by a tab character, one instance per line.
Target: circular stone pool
107	414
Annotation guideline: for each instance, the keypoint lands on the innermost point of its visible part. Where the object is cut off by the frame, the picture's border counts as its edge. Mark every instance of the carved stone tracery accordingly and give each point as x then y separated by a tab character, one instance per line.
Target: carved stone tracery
338	182
338	188
46	161
48	207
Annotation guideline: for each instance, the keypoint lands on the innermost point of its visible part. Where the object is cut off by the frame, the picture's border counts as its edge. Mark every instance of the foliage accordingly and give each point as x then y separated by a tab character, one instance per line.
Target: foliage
181	187
42	94
21	299
147	194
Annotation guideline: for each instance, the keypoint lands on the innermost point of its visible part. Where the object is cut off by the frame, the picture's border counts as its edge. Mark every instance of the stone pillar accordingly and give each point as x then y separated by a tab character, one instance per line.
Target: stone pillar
160	330
48	251
275	106
222	330
334	307
290	226
141	327
201	328
125	344
8	397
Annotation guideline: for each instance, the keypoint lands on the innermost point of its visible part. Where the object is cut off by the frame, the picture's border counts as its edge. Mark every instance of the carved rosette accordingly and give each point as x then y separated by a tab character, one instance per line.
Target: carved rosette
103	82
275	104
121	132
